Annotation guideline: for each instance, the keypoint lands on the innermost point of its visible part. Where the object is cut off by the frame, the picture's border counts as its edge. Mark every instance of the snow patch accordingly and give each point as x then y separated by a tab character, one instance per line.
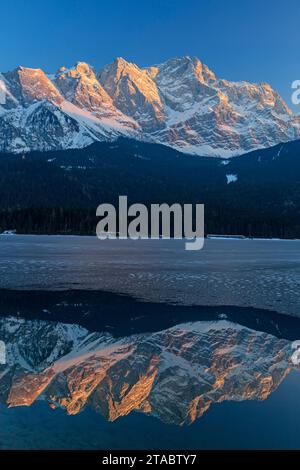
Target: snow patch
231	178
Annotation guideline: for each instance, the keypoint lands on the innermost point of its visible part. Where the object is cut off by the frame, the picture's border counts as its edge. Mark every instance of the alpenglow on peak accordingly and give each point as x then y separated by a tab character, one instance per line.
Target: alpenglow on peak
179	103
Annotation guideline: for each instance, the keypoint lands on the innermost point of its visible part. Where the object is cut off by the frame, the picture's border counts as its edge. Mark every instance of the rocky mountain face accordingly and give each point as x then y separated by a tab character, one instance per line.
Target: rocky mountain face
180	103
175	375
36	114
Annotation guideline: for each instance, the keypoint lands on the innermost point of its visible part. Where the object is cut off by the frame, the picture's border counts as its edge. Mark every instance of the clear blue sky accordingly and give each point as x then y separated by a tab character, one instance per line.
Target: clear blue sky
255	40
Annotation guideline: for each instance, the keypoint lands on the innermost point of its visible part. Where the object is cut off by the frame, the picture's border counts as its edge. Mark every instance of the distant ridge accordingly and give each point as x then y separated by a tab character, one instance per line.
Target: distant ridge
58	191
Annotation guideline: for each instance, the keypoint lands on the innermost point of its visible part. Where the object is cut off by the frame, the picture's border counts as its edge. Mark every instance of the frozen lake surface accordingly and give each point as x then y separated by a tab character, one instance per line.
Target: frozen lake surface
256	273
89	369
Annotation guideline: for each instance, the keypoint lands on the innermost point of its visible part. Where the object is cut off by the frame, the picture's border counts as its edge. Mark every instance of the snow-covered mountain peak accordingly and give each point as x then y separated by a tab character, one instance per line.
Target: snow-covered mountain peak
79	70
68	110
186	67
85	69
28	85
121	64
250	95
180	103
134	92
80	86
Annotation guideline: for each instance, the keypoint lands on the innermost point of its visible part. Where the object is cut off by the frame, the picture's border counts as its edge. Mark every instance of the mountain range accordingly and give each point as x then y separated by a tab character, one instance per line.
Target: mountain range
179	103
175	374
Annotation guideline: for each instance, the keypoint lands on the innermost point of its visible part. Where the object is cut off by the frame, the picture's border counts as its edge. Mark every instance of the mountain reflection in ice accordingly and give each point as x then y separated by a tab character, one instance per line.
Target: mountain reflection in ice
175	374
